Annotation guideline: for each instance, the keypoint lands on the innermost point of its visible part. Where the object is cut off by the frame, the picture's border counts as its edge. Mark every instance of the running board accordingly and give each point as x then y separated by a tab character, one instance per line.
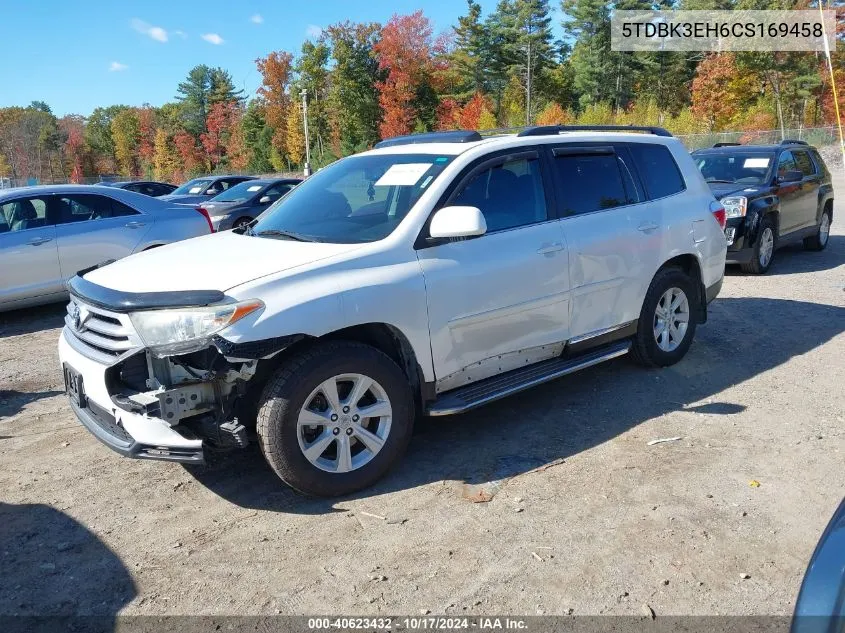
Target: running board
484	391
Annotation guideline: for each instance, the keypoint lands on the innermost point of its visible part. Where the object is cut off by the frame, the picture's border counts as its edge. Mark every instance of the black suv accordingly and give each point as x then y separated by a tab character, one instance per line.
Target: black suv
772	194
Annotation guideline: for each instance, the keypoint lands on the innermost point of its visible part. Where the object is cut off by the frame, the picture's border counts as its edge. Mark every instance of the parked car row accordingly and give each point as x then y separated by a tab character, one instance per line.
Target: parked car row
49	233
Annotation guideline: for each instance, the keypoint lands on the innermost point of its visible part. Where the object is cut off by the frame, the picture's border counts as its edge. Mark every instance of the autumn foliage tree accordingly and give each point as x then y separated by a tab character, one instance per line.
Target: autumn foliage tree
275	72
404	54
222	119
719	90
470	114
188	153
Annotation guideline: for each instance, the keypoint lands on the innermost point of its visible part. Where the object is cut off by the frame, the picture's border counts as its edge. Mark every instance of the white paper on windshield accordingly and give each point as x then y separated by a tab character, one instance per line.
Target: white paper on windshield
254	188
194	189
756	162
403	175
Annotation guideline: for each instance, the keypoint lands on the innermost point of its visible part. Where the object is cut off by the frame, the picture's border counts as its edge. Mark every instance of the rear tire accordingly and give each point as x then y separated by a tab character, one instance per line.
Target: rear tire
241	222
818	241
764	249
313	423
667	320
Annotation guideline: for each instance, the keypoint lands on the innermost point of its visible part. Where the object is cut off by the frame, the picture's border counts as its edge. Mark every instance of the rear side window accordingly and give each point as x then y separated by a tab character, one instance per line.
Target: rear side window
805	165
22	214
591	182
658	170
118	209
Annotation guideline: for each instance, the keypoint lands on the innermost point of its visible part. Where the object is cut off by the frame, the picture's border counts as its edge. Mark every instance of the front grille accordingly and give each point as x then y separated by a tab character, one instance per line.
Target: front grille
99	334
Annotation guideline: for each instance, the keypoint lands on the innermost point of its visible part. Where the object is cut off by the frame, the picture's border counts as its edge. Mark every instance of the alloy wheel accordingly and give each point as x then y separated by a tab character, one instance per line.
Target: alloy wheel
671	319
824	229
767	246
344	423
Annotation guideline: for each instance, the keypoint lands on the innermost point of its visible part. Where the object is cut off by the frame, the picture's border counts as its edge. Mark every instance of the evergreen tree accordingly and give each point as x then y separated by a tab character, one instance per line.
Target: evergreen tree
194	96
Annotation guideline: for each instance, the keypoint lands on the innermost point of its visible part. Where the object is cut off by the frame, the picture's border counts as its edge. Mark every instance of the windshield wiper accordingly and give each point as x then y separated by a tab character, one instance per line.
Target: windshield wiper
287	234
730	182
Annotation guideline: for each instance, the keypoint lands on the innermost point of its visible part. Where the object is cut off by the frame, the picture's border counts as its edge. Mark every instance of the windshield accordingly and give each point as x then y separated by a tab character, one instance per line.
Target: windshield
739	167
192	187
241	191
355	200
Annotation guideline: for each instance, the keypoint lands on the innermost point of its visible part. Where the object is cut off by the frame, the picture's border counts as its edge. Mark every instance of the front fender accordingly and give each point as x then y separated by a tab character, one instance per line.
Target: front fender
755	213
324	301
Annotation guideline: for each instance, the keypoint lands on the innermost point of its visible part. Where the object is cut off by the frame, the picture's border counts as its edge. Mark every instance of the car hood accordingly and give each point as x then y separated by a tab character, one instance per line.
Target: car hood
184	199
219	261
724	189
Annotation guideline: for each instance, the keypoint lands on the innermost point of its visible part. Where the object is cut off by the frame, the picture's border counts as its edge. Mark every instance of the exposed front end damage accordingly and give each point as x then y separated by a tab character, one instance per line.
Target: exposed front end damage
143	402
195	394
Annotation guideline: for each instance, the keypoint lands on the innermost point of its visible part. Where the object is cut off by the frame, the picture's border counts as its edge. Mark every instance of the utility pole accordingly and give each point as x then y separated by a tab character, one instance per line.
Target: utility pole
307	170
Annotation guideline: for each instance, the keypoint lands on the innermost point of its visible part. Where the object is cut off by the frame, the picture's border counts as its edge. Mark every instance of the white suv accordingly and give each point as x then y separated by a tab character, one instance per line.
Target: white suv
430	275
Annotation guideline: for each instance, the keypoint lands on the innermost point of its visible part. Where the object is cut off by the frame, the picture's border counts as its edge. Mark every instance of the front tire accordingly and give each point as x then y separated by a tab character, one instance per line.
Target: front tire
764	250
818	241
335	418
667	320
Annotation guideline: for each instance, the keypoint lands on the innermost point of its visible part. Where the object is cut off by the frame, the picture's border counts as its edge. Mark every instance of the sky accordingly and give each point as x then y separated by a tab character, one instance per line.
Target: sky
77	55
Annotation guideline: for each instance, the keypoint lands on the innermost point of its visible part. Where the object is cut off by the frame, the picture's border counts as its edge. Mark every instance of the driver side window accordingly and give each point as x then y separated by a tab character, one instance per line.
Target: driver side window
509	195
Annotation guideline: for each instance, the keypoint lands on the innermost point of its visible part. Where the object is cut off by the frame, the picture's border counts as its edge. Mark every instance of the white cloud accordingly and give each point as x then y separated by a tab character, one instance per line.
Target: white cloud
313	30
181	34
155	32
213	38
256	19
117	67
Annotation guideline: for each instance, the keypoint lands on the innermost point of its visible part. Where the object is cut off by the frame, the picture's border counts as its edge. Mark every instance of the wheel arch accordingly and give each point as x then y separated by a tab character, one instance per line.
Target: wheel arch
384	337
689	264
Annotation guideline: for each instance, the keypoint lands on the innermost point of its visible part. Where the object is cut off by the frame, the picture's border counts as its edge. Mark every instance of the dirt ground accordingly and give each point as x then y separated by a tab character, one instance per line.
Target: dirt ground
613	526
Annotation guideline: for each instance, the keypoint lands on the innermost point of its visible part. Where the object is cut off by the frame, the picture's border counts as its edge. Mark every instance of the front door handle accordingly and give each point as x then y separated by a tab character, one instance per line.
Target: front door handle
134	225
37	241
648	227
550	248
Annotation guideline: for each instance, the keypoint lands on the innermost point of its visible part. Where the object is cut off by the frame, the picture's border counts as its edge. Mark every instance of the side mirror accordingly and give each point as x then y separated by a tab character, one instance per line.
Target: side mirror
211	192
265	200
792	175
457	222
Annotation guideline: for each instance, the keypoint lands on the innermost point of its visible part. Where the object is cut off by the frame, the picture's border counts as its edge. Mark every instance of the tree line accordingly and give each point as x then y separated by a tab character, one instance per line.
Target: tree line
367	81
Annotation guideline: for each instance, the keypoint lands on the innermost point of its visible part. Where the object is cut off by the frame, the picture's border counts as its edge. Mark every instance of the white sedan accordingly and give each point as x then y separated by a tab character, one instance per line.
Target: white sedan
49	233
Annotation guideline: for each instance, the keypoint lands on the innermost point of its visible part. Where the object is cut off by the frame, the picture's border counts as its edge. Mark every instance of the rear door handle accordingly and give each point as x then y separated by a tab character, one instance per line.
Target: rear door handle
134	225
648	227
550	248
37	241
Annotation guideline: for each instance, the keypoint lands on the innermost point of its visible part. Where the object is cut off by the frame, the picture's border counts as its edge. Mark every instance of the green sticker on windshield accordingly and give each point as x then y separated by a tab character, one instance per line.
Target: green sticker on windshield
441	159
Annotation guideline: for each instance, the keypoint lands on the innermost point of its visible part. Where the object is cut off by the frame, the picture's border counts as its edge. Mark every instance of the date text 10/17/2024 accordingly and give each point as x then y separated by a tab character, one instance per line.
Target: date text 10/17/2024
426	623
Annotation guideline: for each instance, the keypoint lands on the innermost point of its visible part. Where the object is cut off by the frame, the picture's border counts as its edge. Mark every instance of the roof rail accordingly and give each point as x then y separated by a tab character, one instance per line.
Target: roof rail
792	141
726	144
544	130
451	136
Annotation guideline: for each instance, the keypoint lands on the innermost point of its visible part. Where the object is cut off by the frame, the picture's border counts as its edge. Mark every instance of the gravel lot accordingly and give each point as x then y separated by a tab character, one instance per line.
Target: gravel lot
606	523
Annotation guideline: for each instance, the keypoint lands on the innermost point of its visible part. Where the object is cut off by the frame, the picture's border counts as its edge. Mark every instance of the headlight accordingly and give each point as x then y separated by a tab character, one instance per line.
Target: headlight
184	330
735	206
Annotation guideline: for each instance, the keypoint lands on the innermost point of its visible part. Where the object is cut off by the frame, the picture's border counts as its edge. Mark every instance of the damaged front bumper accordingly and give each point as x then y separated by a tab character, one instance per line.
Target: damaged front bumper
129	433
144	405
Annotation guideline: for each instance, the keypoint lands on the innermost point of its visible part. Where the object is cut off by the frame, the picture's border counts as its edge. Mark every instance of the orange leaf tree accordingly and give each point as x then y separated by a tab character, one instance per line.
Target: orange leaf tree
275	72
404	53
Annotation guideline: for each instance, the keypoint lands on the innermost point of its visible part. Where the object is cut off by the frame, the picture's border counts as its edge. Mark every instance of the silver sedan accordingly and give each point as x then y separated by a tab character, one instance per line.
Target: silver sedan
48	233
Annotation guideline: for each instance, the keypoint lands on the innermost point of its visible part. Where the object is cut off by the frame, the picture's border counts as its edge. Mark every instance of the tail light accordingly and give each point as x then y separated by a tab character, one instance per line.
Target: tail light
719	213
204	213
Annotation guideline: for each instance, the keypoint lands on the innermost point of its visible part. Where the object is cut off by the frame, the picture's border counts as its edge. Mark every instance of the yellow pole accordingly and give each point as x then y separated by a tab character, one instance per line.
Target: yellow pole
832	84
